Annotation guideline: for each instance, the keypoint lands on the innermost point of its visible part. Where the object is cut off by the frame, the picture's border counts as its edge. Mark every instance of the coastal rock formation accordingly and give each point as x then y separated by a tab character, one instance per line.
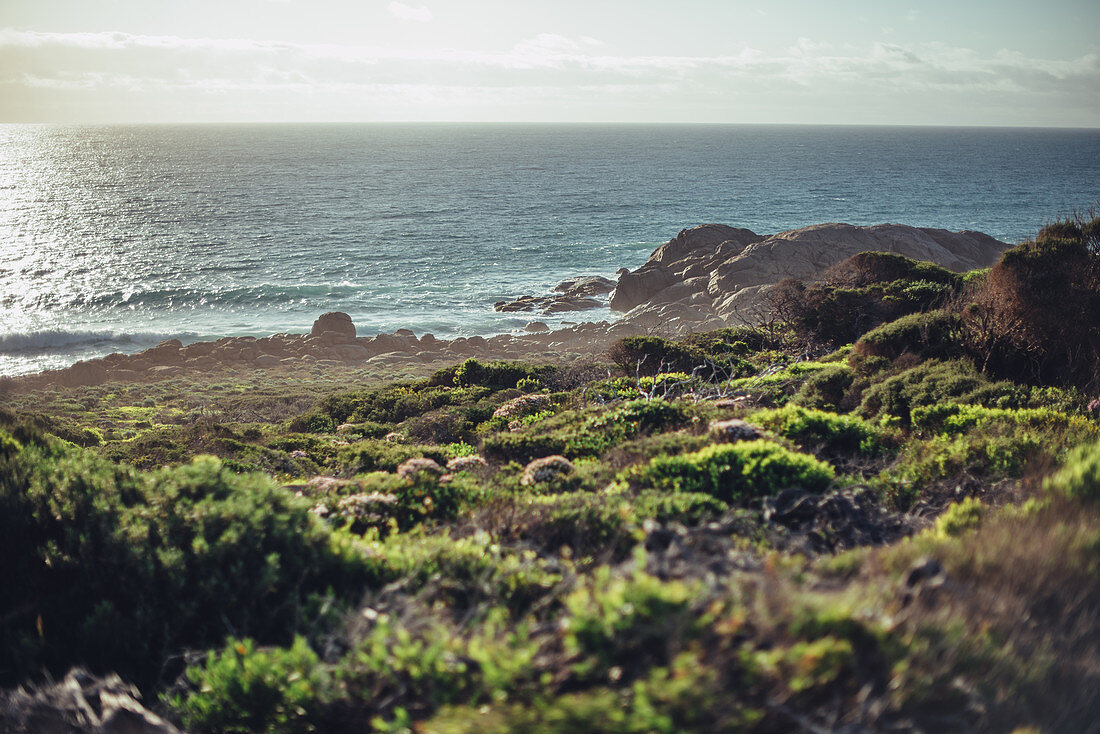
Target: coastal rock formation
726	271
576	294
547	304
585	287
334	322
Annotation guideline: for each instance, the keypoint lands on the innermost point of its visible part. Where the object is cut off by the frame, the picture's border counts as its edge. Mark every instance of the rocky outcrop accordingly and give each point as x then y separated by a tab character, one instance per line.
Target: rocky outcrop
586	287
80	704
547	304
687	255
725	272
576	294
334	322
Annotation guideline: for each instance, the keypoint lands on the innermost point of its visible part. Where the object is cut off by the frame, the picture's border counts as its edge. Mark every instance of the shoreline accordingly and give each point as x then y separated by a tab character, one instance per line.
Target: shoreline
704	278
290	352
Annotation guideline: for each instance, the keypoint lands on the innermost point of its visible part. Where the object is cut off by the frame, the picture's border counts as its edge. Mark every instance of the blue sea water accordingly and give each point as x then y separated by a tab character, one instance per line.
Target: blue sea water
114	237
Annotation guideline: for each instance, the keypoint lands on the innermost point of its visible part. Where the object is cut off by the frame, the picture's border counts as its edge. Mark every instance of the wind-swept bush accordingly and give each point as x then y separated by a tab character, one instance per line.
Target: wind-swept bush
650	355
860	293
1036	315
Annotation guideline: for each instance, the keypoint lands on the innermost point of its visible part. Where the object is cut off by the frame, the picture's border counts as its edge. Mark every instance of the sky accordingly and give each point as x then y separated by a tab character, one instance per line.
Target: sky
932	62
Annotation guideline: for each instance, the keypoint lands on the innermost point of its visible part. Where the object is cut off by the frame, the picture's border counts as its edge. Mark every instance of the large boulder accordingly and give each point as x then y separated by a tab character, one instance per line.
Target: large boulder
637	287
336	322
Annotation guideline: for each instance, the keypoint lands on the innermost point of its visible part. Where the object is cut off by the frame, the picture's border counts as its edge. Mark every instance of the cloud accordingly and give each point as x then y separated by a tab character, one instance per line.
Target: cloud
108	75
419	13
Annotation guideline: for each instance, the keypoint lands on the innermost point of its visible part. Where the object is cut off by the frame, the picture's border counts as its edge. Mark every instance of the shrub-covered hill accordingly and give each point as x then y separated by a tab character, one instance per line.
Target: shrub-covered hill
740	531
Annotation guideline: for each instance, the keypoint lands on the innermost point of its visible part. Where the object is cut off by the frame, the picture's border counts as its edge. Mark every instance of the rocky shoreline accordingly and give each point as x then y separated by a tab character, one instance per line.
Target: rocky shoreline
705	278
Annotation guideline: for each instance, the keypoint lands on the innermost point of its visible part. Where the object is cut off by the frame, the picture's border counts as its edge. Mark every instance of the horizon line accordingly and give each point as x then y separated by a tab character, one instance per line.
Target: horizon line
562	123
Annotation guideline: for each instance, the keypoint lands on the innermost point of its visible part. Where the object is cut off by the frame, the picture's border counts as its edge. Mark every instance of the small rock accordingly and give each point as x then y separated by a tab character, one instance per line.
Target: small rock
925	570
536	326
418	467
522	405
545	469
466	463
80	704
734	429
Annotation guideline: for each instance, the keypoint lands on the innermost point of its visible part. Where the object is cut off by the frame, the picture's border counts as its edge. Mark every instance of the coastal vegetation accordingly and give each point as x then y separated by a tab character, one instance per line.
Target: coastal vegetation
879	511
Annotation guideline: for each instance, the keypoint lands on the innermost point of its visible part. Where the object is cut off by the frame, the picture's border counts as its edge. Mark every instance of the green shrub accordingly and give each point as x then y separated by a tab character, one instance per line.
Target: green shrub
568	435
245	689
117	569
384	501
650	355
978	454
1080	476
816	428
521	447
314	422
628	622
959	517
635	418
933	335
375	454
494	375
827	390
954	419
929	383
689	508
686	696
477	570
396	402
736	472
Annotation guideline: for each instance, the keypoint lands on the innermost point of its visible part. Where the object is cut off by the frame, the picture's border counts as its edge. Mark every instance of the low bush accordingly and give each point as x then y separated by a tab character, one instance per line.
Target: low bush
736	472
817	430
929	383
981	454
375	454
495	375
829	389
522	447
118	569
931	335
627	622
636	417
959	517
245	689
954	419
1079	477
650	355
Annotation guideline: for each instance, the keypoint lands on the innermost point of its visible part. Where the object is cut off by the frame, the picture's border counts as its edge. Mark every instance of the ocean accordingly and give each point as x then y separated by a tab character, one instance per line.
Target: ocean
113	238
